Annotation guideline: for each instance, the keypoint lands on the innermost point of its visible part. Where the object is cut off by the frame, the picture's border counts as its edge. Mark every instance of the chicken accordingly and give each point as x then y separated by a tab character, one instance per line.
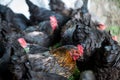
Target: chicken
46	34
83	18
67	36
21	21
41	14
88	18
101	52
60	61
84	36
5	51
23	69
52	24
106	60
49	21
37	37
88	36
67	32
5	73
14	19
6	13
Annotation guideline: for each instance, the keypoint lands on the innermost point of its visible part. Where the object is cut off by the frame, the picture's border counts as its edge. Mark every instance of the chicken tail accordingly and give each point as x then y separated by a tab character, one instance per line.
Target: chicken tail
30	5
84	8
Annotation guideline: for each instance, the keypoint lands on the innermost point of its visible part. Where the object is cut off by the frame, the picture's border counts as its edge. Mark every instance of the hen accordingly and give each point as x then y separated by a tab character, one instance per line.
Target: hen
18	20
60	61
23	69
5	51
44	34
37	37
80	17
109	58
96	57
49	21
105	60
41	14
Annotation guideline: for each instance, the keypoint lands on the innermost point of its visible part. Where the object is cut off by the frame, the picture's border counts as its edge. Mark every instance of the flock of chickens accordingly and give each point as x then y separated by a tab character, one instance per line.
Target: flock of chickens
28	52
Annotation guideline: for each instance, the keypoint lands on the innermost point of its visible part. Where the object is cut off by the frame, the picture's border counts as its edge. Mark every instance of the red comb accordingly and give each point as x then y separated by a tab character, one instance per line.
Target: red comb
22	42
53	22
101	27
80	49
114	38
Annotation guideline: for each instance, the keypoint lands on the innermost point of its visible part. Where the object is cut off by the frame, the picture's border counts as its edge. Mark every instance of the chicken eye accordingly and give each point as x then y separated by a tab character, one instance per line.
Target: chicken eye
75	52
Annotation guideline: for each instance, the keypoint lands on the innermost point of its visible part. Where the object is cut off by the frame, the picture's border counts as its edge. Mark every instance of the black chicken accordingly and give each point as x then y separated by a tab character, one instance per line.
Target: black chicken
67	32
5	51
80	17
50	23
14	19
101	52
44	34
21	21
6	13
23	69
87	18
37	37
105	60
5	73
41	14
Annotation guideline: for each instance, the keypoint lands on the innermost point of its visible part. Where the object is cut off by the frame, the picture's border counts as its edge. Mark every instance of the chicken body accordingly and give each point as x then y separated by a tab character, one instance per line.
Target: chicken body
5	51
14	19
47	20
38	37
58	61
41	14
101	52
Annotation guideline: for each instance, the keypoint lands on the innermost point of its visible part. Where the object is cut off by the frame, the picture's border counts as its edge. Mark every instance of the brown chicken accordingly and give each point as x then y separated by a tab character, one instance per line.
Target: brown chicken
61	61
67	55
